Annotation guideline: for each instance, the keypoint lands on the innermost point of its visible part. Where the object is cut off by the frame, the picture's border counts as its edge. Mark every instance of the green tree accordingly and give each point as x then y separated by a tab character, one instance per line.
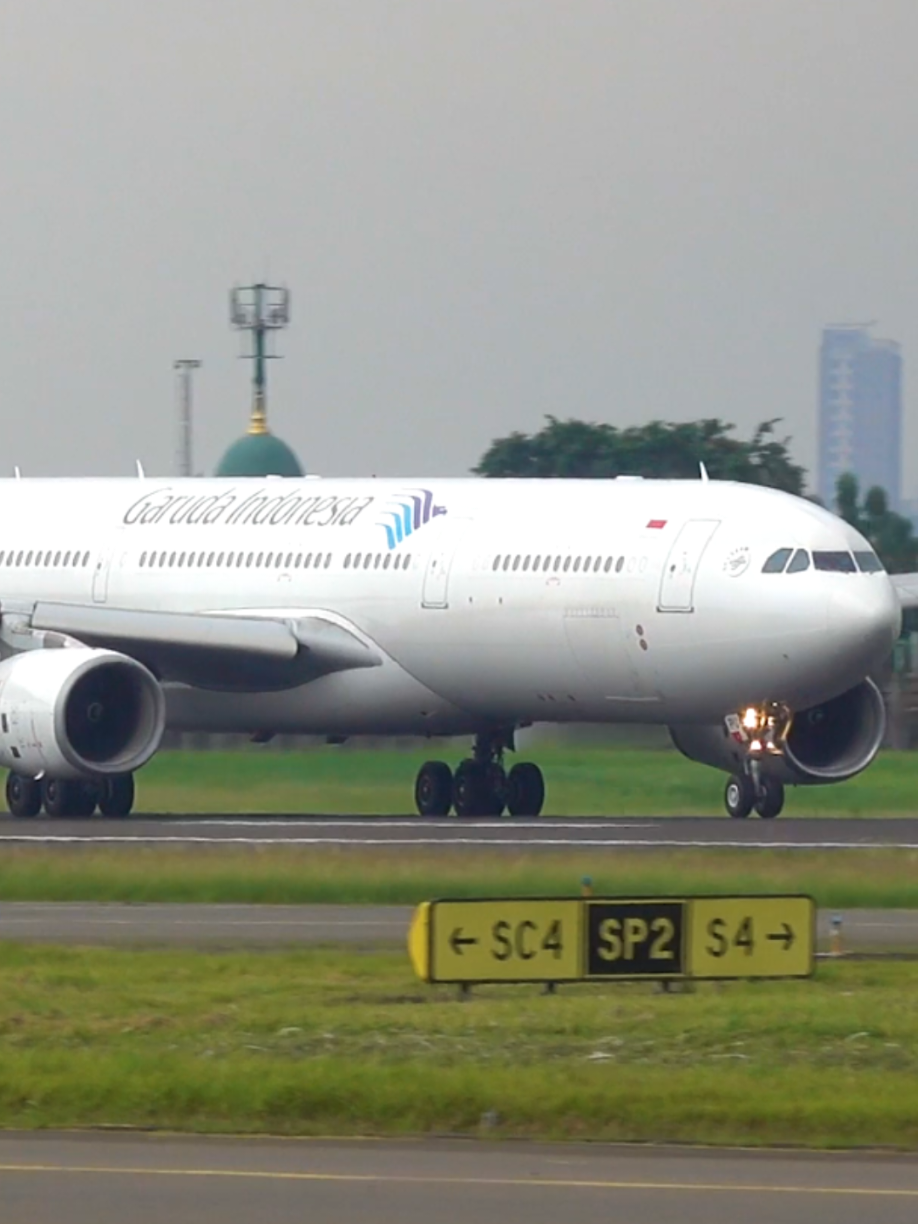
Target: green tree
846	500
662	449
890	534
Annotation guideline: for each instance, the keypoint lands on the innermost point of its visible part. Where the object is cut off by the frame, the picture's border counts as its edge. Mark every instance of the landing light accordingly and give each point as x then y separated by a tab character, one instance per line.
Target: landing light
762	728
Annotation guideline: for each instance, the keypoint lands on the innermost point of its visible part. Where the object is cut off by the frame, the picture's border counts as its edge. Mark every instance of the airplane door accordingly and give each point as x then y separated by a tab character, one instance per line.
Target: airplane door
435	591
677	585
100	576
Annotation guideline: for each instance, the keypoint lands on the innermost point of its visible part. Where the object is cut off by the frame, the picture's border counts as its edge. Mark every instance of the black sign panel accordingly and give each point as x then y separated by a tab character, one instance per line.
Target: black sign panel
635	938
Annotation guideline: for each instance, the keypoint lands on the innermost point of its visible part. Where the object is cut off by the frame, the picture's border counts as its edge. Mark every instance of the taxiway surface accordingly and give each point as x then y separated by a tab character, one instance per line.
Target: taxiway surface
106	1179
512	833
109	924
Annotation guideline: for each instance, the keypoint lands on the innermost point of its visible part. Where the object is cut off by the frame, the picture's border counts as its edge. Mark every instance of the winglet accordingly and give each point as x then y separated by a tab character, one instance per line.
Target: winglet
141	474
704	473
16	472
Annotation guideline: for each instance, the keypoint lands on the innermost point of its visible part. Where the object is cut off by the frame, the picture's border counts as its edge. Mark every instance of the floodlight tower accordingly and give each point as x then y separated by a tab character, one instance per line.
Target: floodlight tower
185	367
259	309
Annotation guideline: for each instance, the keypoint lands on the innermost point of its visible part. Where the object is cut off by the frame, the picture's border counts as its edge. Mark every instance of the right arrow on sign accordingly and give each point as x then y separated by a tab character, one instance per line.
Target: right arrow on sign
784	936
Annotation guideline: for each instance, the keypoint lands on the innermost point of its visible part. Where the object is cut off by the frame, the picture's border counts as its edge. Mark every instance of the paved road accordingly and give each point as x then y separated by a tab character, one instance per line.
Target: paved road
107	1179
395	831
255	926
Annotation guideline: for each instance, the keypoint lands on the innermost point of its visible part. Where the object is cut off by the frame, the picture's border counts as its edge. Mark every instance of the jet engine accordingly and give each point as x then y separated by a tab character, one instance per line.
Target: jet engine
829	742
75	711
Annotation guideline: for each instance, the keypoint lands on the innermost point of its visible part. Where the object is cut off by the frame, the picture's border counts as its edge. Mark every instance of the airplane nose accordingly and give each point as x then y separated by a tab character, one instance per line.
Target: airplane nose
865	619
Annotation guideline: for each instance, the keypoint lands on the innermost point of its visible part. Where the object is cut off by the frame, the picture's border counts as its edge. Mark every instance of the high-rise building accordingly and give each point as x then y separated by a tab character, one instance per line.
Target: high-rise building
860	411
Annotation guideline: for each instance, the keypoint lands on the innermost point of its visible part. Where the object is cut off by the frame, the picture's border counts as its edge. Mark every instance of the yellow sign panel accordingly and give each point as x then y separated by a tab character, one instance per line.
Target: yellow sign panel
506	941
756	937
419	941
570	939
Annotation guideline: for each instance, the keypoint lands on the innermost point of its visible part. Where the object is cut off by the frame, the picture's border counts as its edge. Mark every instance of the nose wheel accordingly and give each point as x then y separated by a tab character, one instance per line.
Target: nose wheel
770	800
743	795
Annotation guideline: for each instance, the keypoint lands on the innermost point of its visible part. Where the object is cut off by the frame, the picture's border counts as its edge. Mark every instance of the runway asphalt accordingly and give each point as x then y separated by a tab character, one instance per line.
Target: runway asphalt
107	1179
264	926
550	832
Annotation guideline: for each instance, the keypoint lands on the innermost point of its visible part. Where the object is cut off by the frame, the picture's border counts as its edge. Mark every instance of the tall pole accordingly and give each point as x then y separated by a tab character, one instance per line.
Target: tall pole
259	372
184	457
259	309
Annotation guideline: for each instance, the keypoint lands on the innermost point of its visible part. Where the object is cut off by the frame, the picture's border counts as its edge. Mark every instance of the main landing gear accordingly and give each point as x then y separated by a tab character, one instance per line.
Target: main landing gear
481	786
113	795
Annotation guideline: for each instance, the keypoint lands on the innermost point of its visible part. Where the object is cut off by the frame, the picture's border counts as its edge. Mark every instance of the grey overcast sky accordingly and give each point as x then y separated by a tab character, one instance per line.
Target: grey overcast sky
486	211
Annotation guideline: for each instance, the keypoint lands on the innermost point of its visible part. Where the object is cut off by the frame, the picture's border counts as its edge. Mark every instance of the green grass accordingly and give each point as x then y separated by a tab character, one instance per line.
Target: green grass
304	874
322	1042
591	780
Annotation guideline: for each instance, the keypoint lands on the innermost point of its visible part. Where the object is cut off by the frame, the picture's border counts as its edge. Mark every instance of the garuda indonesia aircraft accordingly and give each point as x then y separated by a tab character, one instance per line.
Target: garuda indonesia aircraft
747	621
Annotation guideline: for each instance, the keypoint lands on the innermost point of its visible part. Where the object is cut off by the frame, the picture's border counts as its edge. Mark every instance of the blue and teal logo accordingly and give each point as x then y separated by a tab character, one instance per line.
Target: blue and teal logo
407	513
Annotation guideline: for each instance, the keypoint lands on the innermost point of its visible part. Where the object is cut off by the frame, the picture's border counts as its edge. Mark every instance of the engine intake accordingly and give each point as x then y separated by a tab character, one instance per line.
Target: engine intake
76	711
829	742
836	740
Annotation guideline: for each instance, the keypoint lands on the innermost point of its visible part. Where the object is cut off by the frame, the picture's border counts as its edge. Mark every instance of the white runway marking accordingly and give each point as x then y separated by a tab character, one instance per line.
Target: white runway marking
379	822
445	844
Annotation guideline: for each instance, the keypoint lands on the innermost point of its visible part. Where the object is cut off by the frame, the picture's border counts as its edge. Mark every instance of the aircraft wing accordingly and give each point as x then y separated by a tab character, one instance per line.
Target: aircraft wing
235	653
906	588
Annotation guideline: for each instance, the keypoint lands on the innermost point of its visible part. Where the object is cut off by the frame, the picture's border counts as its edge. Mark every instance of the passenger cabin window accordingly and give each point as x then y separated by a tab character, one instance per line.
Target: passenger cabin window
834	562
799	562
777	561
868	563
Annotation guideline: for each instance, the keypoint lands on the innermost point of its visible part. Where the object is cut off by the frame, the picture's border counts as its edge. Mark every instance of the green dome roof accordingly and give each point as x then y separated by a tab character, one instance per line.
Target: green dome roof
259	454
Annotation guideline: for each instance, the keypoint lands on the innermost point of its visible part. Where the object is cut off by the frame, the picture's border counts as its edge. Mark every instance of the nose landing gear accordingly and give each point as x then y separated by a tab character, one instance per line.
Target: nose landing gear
481	786
742	795
762	731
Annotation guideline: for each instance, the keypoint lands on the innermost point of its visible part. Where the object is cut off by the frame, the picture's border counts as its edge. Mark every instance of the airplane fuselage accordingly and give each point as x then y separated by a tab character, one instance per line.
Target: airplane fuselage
490	603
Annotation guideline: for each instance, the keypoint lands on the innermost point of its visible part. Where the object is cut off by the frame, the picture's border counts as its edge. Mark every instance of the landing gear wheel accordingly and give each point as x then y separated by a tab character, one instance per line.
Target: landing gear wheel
86	796
771	799
470	789
116	796
525	790
739	796
496	790
60	796
23	795
433	789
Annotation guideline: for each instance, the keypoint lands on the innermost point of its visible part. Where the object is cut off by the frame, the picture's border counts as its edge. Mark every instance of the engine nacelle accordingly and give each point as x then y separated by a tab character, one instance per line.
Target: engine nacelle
74	712
827	743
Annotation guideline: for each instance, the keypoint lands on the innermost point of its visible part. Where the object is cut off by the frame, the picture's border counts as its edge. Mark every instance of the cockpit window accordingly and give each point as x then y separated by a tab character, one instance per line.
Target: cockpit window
777	561
800	562
868	562
834	562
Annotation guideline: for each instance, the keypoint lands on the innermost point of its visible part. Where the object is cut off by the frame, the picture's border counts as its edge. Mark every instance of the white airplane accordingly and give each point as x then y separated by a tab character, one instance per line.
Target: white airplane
746	620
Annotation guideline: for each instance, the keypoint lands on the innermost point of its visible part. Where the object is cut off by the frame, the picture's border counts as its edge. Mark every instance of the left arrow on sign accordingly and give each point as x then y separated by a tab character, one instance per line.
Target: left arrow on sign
458	941
785	936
